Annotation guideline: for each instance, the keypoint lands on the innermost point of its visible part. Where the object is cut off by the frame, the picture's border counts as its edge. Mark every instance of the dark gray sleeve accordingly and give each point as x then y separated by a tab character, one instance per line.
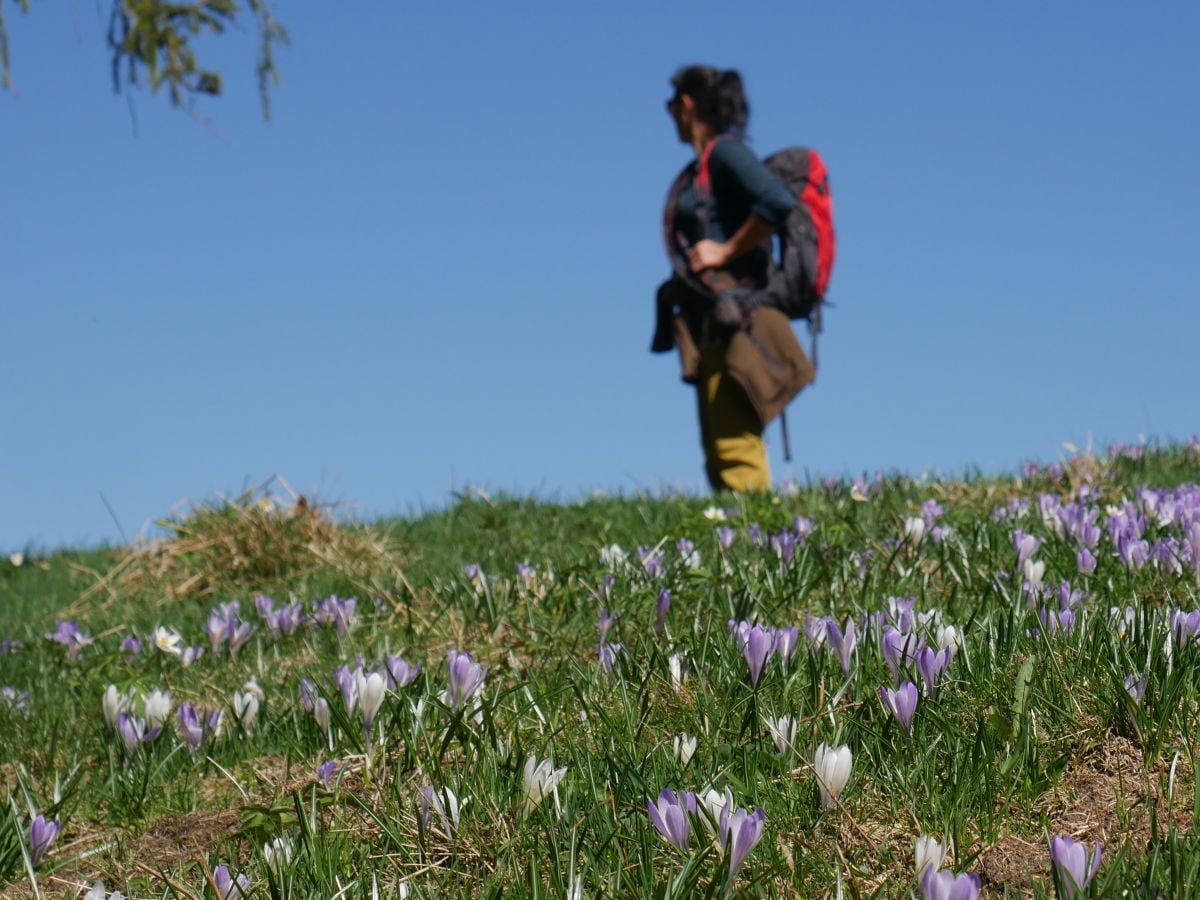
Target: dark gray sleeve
732	161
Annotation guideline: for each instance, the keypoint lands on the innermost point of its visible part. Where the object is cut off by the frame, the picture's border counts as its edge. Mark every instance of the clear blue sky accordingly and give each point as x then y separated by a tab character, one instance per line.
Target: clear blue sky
435	266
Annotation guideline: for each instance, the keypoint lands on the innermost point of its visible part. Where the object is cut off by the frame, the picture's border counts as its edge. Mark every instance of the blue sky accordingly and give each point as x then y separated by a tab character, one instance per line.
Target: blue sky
434	268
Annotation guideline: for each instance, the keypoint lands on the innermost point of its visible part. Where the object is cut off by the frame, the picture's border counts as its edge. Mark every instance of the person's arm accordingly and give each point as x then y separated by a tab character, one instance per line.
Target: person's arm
770	204
714	255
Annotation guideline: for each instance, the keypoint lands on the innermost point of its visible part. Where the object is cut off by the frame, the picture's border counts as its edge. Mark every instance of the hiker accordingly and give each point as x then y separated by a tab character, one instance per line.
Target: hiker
722	211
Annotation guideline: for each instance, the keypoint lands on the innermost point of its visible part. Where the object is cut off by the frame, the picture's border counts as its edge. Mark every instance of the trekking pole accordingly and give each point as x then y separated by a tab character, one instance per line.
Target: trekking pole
787	445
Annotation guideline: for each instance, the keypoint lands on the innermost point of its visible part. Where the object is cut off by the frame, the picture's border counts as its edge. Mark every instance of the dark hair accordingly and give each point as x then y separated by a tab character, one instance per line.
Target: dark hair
719	97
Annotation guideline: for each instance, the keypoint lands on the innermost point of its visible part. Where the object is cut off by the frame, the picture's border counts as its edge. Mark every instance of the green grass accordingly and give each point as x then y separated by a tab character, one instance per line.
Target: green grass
1031	733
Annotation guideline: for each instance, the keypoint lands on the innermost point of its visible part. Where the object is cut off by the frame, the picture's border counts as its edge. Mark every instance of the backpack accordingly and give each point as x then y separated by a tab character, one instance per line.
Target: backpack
799	271
798	278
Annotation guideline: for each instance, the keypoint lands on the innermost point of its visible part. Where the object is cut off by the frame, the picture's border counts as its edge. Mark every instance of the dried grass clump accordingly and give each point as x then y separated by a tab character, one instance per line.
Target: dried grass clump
267	538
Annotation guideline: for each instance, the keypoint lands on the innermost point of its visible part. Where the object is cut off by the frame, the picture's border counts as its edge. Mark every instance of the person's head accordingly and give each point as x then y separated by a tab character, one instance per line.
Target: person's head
712	96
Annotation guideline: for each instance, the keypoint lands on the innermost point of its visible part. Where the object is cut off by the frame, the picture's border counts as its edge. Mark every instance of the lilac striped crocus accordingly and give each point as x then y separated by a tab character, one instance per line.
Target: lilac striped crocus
42	834
932	666
1074	865
672	816
943	884
899	651
757	650
901	703
399	672
466	678
740	831
842	641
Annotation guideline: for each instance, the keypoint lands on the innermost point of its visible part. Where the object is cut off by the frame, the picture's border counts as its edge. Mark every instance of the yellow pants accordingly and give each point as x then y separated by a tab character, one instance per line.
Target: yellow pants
735	455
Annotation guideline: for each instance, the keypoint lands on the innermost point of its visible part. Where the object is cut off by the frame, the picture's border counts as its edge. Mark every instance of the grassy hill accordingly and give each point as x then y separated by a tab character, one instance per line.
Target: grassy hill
323	709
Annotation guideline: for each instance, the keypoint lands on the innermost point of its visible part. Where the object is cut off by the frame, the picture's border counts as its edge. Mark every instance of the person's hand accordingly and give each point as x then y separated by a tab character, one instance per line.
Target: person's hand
708	255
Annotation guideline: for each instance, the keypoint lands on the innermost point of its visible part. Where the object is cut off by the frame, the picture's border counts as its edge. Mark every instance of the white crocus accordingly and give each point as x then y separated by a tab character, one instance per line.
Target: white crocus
783	733
711	804
612	556
445	804
1035	570
714	514
948	636
168	641
677	668
914	529
279	852
321	712
371	690
685	748
928	852
245	709
541	778
833	771
113	702
156	706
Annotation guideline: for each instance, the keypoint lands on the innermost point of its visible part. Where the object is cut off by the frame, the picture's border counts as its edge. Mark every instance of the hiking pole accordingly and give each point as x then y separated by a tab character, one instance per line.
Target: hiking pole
787	445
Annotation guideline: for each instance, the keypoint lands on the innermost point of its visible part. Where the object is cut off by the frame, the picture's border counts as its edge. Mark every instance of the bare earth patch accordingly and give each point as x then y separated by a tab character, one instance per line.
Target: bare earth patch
1106	796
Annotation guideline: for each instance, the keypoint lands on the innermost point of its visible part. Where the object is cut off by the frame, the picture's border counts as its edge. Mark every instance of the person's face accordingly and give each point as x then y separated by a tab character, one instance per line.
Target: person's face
681	109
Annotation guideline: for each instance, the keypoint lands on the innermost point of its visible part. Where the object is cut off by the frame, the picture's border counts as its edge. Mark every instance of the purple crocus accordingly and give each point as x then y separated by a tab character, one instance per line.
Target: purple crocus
901	703
399	672
133	732
1085	561
1184	626
899	651
932	665
326	771
70	636
131	646
661	609
786	639
757	650
41	835
604	623
726	536
1074	867
466	678
228	887
672	816
942	884
1025	546
344	677
608	657
842	641
190	728
740	831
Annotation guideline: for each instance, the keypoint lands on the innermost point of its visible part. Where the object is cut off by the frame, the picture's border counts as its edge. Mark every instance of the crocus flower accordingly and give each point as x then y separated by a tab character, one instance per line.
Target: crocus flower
1085	561
167	640
540	779
1025	546
371	690
228	887
113	702
131	645
445	805
278	852
943	885
929	853
42	834
190	728
661	609
740	831
1136	687
843	641
901	703
783	733
1074	866
932	666
671	816
156	707
833	771
608	656
245	709
466	678
400	673
98	892
899	651
677	670
133	732
726	536
604	623
685	748
326	771
759	646
71	636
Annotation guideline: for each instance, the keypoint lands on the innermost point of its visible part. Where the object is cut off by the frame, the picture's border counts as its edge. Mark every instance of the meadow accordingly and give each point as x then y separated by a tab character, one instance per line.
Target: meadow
885	686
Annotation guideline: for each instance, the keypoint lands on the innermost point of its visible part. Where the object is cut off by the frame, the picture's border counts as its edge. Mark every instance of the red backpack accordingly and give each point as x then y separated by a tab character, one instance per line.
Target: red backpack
803	259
